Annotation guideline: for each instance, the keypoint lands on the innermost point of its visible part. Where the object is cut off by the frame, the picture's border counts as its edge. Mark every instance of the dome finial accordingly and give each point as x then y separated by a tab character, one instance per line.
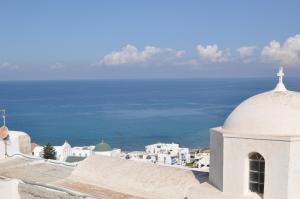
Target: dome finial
280	86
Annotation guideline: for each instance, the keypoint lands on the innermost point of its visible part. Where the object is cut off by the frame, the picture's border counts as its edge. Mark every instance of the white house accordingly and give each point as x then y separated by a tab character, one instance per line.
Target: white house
183	156
17	142
165	158
203	160
84	151
13	142
257	150
162	148
62	152
169	153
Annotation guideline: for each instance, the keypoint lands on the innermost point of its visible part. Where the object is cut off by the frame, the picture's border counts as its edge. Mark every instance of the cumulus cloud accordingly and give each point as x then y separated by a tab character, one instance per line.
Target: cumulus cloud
288	53
246	51
8	66
211	53
132	55
179	53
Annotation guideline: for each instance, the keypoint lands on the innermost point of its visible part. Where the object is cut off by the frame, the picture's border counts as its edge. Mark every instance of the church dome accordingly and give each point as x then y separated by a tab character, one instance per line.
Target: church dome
101	147
276	112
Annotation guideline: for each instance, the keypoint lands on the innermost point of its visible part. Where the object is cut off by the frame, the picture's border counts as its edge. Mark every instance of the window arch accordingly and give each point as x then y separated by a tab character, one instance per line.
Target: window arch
256	173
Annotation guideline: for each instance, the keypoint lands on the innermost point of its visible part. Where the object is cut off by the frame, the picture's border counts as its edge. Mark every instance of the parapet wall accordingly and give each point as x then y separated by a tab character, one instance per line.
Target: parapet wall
137	178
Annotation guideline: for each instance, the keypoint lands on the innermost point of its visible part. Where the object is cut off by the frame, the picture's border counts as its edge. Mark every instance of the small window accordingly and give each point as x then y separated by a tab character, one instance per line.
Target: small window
256	173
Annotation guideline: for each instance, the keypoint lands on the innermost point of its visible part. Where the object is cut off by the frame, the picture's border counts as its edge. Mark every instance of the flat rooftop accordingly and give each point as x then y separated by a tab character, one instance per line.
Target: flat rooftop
106	177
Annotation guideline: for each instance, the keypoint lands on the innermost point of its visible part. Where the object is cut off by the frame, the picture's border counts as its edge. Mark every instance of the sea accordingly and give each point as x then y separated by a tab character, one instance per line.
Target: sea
127	114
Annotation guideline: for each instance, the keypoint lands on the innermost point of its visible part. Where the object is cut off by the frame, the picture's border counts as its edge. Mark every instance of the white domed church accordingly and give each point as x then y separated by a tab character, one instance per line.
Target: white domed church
257	150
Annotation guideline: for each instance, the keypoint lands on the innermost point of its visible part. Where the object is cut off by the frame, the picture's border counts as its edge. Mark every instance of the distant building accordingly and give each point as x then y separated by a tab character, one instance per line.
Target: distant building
84	151
170	154
165	158
79	153
33	145
13	142
105	149
183	156
162	148
202	160
62	152
17	142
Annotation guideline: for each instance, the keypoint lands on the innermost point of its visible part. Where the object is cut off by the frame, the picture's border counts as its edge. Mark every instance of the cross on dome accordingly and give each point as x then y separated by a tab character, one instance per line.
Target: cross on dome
280	85
280	74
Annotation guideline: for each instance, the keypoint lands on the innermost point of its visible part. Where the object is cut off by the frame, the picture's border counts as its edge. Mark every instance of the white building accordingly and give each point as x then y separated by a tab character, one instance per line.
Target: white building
183	156
162	148
17	142
105	149
13	142
257	150
169	153
203	160
62	152
84	151
165	158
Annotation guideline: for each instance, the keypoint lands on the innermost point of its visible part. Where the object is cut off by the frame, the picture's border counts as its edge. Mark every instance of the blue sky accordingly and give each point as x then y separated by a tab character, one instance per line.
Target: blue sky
148	39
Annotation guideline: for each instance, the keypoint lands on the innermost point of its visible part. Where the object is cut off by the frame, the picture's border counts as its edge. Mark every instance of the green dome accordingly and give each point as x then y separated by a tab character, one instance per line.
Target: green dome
102	147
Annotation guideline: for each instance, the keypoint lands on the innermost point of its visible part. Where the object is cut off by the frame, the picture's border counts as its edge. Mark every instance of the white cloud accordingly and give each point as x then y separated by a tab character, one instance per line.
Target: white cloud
287	53
129	55
180	53
211	53
132	55
246	51
8	66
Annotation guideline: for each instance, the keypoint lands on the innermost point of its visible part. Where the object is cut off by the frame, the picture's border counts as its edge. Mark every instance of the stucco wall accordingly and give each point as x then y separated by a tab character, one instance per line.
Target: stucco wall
294	171
216	159
236	166
9	189
25	144
18	142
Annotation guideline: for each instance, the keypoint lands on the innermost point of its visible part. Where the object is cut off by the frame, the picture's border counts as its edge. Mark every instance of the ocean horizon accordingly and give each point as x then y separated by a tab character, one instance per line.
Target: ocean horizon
127	114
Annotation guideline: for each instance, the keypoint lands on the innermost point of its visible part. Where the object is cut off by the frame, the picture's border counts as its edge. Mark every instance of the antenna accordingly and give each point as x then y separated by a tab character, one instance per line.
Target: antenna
3	130
4	134
3	117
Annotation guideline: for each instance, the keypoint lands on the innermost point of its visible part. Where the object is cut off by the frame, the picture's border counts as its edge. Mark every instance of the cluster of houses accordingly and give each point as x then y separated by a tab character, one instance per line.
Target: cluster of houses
66	153
160	153
172	155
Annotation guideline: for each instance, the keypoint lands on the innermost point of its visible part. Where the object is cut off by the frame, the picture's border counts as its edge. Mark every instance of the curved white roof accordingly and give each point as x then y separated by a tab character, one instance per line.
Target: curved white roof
276	112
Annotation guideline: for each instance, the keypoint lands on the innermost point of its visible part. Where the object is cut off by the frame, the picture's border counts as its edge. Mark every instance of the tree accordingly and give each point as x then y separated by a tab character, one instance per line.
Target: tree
49	152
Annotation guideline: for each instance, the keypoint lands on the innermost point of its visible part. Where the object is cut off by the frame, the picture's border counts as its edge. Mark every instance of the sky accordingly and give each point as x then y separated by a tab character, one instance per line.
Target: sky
136	39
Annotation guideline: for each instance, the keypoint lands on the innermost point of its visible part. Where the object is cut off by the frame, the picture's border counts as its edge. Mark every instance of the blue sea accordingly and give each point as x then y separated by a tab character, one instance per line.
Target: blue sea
128	114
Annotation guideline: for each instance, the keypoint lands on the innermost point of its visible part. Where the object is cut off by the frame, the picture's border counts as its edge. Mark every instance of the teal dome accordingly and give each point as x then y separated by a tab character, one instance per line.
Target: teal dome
101	147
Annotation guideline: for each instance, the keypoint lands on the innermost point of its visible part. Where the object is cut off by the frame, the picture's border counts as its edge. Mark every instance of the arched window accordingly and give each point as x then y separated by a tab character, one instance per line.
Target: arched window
256	173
